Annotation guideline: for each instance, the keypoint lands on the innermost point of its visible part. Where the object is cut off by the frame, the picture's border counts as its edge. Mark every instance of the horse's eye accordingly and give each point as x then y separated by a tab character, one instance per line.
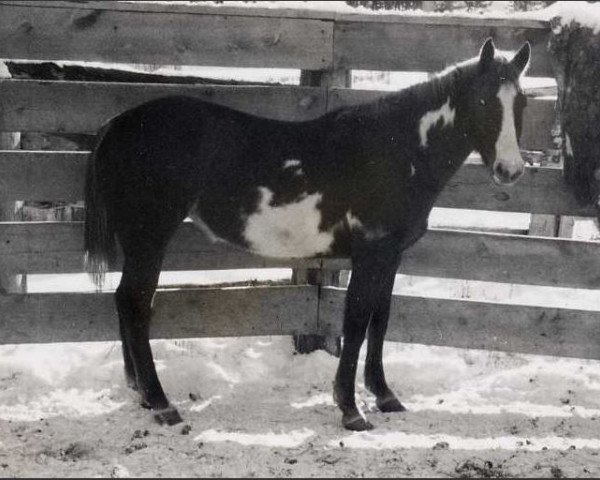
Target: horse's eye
482	101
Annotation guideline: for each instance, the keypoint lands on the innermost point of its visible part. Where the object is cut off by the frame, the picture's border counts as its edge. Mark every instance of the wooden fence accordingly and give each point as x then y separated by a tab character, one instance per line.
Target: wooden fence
325	46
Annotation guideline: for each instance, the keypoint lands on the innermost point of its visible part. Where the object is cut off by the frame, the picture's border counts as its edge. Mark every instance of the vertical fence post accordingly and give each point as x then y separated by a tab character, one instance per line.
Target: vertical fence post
320	277
9	281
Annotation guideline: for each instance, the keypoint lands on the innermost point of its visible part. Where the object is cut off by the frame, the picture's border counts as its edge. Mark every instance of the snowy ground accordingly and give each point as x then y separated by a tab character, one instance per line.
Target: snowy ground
252	408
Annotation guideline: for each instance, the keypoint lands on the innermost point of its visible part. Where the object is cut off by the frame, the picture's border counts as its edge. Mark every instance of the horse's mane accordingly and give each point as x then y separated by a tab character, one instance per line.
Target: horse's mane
433	91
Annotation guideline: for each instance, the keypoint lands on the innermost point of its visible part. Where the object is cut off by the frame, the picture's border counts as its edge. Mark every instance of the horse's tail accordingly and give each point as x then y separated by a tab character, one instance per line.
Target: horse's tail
99	234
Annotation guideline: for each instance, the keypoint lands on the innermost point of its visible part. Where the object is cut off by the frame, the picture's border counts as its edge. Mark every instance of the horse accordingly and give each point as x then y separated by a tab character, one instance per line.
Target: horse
358	182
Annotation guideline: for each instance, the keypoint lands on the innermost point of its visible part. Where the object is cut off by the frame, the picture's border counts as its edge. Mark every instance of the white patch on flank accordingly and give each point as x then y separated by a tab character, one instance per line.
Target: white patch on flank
290	230
412	170
430	119
507	148
393	440
292	439
296	164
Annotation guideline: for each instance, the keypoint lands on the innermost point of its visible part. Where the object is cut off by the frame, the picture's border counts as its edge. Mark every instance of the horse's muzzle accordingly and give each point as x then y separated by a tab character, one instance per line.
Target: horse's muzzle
507	173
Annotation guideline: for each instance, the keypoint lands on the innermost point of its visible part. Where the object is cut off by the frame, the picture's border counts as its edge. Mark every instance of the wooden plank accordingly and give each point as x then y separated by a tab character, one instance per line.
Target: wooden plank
499	258
42	175
257	11
77	317
392	46
566	226
69	32
538	118
543	225
82	107
489	326
57	176
47	247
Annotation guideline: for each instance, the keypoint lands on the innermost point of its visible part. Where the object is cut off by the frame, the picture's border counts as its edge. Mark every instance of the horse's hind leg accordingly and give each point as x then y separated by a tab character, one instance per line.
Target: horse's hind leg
134	304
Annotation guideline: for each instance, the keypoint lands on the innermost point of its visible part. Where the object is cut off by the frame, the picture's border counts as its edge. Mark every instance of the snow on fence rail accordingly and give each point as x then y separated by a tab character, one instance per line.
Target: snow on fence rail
325	45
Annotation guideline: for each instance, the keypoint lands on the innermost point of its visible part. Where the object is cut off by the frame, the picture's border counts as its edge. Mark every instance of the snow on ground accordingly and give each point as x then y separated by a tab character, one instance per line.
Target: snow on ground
252	408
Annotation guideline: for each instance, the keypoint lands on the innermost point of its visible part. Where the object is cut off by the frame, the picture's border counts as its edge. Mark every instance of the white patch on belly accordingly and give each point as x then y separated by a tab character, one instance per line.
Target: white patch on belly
295	164
507	147
430	119
287	231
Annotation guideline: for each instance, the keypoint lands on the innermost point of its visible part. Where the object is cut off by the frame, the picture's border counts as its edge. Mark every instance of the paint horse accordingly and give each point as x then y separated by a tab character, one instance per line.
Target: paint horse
358	182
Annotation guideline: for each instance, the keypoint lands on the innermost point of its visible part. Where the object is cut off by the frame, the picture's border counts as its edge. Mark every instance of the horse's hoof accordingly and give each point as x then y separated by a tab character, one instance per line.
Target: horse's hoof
357	423
169	416
390	404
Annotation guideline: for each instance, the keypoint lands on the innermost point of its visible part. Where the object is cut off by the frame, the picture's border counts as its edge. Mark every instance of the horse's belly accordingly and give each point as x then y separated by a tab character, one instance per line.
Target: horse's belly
290	230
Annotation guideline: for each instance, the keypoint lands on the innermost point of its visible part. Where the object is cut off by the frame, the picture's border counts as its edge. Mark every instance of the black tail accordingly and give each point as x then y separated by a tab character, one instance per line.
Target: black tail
99	235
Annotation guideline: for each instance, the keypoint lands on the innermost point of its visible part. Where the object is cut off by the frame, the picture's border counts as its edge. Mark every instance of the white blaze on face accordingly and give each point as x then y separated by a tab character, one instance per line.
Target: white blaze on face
507	148
290	230
431	118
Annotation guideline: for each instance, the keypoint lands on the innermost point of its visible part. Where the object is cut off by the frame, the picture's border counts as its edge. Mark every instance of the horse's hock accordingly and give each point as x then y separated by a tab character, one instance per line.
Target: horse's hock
325	46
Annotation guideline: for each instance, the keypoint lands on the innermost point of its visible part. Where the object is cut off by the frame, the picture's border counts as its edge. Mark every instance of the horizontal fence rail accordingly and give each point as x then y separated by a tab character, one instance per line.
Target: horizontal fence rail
63	31
172	34
72	317
48	247
470	324
83	107
59	176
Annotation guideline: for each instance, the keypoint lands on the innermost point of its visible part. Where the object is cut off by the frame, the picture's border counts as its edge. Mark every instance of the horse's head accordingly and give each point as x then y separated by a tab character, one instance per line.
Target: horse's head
494	109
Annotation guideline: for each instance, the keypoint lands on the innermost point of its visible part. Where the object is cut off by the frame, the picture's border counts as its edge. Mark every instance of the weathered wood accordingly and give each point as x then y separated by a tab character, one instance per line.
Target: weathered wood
490	326
540	190
256	11
82	107
9	281
565	226
538	118
48	247
188	313
68	32
392	46
60	176
543	225
500	258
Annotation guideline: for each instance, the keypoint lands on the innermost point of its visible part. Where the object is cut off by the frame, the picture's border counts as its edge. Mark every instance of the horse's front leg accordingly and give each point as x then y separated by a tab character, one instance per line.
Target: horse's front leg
374	377
368	298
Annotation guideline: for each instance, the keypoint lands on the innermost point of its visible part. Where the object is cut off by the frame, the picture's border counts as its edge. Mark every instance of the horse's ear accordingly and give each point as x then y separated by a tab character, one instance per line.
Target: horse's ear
486	55
521	59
